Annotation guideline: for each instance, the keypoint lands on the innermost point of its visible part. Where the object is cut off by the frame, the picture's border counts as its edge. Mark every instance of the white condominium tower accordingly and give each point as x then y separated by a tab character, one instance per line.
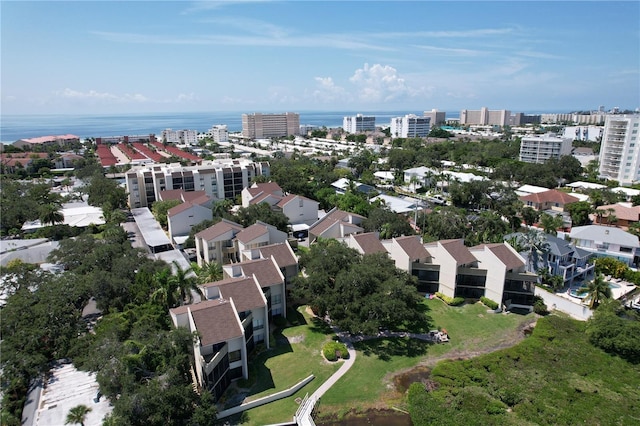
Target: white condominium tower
540	148
619	150
410	126
359	123
258	125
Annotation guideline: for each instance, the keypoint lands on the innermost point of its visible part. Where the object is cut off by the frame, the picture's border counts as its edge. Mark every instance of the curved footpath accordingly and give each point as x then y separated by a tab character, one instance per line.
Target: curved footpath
304	416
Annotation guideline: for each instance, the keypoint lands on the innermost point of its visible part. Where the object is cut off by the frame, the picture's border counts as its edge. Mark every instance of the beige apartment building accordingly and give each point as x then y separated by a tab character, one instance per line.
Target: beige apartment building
258	125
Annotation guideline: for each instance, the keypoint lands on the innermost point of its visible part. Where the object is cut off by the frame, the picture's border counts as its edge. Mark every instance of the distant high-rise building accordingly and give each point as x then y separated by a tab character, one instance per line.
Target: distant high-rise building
187	137
410	126
619	150
485	117
540	148
437	117
219	133
359	123
258	125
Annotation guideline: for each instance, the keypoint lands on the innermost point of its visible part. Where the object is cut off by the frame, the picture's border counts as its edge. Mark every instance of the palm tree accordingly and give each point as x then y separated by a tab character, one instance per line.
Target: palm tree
536	244
77	415
165	293
550	224
208	272
50	213
184	282
596	290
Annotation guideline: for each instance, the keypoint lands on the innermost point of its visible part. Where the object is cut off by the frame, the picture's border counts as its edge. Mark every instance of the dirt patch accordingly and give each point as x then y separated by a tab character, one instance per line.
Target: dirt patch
296	339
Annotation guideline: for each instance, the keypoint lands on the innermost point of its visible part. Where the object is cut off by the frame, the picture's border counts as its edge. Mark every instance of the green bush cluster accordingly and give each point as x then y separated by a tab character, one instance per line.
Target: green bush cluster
539	306
489	303
333	350
451	301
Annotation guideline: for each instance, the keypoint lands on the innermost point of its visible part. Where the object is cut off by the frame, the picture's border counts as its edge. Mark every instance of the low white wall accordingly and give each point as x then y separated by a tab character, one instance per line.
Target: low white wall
555	302
265	400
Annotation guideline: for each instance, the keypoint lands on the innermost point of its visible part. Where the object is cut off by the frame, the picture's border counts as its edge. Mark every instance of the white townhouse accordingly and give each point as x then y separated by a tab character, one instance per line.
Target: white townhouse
257	235
217	243
299	209
607	241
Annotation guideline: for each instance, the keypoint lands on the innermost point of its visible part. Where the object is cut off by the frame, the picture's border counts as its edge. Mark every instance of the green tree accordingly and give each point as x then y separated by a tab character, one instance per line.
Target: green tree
247	216
101	190
209	272
160	209
530	215
615	330
580	212
596	290
77	415
51	214
550	224
535	244
387	223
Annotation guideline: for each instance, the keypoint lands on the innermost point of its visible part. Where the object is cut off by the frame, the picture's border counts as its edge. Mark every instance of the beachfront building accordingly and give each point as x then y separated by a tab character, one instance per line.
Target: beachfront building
595	118
484	117
359	123
219	133
45	141
540	148
436	118
258	125
619	150
184	137
219	179
410	126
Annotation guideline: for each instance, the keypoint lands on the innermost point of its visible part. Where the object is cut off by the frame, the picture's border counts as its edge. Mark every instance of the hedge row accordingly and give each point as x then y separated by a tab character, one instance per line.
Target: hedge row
451	301
489	303
334	350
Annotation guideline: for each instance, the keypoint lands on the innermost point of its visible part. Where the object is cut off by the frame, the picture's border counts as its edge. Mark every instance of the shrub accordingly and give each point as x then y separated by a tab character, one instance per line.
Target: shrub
539	306
489	303
332	350
451	301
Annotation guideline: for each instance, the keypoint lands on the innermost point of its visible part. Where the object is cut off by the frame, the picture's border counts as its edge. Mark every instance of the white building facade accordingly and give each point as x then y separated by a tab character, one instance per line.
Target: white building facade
220	179
410	126
538	149
619	150
185	137
359	123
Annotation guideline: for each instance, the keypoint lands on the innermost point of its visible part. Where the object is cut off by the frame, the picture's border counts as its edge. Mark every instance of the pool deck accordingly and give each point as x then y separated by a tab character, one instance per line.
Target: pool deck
623	288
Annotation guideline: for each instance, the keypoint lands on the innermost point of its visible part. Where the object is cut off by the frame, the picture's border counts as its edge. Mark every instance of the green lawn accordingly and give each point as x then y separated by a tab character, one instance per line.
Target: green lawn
367	384
295	355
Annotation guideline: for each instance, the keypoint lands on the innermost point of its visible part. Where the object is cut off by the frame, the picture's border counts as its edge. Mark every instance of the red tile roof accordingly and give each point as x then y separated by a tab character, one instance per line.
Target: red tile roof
620	211
550	196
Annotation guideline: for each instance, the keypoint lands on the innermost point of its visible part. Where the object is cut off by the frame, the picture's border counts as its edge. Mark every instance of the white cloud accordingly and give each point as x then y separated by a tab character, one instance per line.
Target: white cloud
93	95
378	83
328	92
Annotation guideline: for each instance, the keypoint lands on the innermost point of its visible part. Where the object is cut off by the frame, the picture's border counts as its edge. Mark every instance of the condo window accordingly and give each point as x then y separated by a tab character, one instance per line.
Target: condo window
234	356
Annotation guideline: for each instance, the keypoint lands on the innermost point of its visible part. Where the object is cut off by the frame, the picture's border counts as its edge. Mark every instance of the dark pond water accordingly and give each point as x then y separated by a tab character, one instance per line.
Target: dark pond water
372	417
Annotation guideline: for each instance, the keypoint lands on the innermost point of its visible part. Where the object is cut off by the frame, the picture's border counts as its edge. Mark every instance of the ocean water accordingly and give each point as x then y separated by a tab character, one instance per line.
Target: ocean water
15	127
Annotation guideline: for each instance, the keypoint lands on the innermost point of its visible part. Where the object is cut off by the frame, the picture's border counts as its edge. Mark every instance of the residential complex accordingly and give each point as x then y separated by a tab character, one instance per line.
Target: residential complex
485	117
410	126
619	150
258	125
436	117
219	179
540	148
359	123
184	137
59	140
597	117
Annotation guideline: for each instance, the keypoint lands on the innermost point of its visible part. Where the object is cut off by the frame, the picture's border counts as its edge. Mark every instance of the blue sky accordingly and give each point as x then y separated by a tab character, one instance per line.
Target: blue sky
160	56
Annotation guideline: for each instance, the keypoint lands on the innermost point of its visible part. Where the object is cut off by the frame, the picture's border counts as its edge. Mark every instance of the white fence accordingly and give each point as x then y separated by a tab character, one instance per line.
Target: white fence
554	302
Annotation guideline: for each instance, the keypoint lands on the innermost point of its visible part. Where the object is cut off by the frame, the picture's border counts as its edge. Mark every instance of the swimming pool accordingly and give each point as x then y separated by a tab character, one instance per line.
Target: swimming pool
574	290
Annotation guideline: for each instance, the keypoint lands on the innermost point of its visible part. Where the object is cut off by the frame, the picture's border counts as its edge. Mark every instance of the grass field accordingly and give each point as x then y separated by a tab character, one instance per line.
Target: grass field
368	383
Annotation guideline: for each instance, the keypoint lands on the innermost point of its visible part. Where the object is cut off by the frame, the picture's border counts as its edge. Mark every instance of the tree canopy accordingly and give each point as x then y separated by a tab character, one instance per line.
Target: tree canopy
360	294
